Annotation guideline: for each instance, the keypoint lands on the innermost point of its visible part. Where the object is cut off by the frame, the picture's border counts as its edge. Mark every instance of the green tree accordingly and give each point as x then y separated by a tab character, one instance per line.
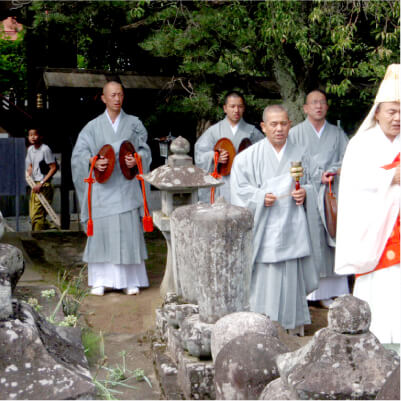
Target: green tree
92	26
340	46
12	65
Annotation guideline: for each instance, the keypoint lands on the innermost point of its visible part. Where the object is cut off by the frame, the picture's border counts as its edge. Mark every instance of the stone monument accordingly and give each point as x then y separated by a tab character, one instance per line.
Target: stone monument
38	361
343	361
212	250
178	182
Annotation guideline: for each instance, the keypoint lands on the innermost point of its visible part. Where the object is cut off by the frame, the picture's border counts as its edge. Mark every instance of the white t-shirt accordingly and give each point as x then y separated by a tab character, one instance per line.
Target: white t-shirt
35	156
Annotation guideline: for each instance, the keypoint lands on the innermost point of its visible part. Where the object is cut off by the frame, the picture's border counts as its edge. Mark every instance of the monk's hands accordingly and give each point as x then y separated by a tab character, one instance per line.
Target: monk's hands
269	200
299	196
130	161
396	178
101	163
223	157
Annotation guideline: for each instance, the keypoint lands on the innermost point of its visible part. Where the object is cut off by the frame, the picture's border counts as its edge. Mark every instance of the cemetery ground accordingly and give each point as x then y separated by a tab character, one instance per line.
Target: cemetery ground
117	329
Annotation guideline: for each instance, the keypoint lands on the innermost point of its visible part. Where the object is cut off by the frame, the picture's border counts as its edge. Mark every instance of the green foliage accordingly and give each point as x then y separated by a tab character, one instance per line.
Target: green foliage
340	46
93	26
12	65
93	344
76	288
343	47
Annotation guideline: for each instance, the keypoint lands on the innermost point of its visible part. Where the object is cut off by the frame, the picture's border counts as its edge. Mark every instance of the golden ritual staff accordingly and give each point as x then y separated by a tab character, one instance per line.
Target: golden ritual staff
297	171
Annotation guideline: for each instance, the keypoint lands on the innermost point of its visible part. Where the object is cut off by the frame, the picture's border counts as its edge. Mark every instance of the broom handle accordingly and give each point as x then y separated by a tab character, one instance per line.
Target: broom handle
53	215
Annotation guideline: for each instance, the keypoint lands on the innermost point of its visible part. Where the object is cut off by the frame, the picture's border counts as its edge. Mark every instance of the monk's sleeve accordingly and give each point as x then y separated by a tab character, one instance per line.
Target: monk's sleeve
204	153
80	163
256	135
341	147
141	137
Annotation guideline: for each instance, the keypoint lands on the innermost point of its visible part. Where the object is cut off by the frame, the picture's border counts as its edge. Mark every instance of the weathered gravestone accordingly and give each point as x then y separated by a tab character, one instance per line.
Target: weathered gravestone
212	249
37	359
245	365
342	361
215	267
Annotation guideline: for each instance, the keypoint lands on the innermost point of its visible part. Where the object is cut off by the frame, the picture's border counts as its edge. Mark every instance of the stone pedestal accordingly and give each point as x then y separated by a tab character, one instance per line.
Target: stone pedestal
181	375
162	222
213	251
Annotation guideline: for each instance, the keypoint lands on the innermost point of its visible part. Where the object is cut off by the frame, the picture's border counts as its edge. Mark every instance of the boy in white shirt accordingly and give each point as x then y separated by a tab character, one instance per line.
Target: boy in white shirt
41	166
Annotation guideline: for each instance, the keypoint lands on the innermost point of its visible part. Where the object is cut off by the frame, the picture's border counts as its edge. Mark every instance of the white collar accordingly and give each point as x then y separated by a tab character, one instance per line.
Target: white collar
320	132
116	122
281	152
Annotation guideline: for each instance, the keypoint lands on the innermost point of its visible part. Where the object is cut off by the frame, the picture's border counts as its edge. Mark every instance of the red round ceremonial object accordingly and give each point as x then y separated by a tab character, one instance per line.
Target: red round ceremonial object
127	148
108	153
225	144
245	143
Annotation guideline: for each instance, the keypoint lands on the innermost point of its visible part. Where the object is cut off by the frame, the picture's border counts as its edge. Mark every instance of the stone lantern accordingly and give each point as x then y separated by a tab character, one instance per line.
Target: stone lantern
178	182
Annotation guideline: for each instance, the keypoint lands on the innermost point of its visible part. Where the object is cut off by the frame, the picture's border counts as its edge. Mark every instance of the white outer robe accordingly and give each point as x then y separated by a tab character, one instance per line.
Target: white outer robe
204	151
368	209
284	270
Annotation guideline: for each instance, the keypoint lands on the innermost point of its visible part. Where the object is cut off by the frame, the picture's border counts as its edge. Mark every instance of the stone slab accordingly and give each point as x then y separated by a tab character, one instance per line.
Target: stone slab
167	373
195	376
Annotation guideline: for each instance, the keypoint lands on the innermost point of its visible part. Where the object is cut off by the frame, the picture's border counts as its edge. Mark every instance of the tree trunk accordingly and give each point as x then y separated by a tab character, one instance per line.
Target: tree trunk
292	94
201	126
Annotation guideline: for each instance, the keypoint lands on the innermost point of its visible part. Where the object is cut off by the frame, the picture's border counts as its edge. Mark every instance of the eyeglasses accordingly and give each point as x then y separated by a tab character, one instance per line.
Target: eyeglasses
316	102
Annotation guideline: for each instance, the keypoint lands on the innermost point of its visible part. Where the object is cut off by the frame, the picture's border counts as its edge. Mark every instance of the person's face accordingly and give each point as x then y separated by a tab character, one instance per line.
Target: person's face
234	109
276	127
388	117
316	106
33	137
113	97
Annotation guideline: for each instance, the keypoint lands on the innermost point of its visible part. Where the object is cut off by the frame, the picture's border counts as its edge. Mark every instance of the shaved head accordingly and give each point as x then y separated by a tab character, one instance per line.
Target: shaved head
110	84
274	108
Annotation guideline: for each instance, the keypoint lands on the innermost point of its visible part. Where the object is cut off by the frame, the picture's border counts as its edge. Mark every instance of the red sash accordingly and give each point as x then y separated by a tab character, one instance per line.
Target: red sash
391	253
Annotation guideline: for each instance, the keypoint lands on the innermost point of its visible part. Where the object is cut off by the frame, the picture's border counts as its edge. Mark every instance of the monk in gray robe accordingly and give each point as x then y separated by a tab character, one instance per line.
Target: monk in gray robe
326	144
232	127
284	271
116	252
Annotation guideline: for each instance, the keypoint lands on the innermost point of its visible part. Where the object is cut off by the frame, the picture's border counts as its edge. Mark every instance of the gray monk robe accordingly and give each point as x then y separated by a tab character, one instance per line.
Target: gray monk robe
328	152
204	153
116	204
284	271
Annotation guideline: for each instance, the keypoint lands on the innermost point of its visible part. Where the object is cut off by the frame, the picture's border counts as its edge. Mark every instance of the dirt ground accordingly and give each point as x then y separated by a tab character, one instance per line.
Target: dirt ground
125	323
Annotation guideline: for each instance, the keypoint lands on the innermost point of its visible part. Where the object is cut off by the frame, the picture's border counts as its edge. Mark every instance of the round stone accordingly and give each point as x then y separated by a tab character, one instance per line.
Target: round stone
245	365
180	146
349	315
237	324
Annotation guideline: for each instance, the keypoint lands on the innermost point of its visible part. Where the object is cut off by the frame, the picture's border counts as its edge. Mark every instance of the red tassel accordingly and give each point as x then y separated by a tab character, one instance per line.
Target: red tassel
89	228
147	224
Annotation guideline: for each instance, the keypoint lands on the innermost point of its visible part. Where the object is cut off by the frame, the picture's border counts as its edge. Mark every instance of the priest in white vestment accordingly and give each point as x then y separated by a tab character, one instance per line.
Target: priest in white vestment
234	128
116	252
368	236
326	143
284	270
